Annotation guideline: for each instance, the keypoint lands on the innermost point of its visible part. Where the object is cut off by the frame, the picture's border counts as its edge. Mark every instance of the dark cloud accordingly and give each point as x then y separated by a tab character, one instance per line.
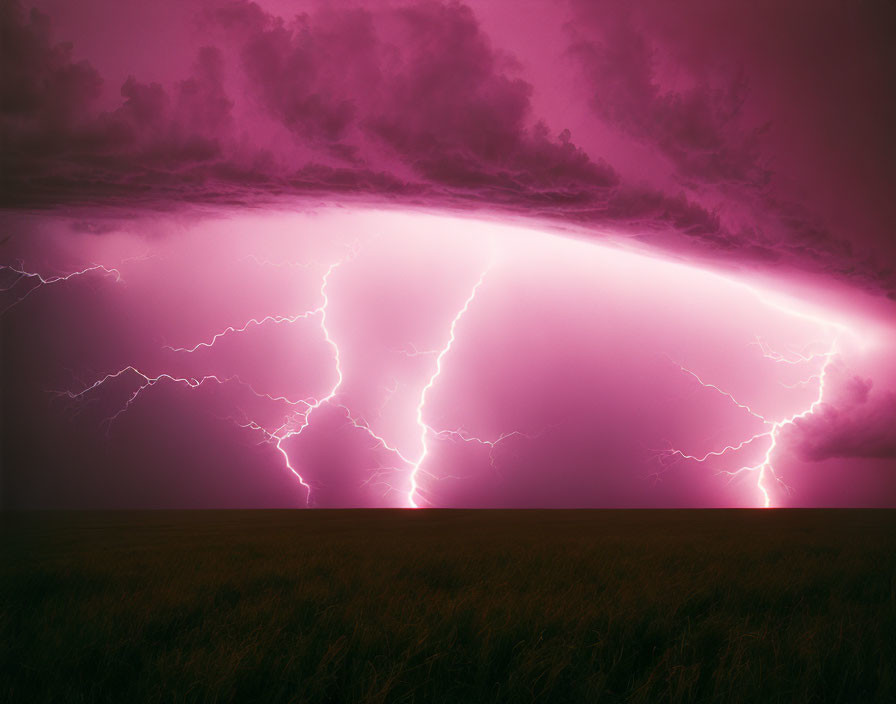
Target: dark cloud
58	148
695	128
726	95
41	86
856	423
869	431
411	101
417	89
414	103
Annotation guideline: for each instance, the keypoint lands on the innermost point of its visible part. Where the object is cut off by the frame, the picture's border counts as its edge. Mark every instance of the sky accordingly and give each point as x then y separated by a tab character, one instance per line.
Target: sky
412	254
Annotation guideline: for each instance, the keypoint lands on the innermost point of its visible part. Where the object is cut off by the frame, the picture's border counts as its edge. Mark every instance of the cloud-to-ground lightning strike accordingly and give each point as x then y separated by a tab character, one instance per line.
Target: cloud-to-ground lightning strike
302	410
287	429
425	430
765	466
20	274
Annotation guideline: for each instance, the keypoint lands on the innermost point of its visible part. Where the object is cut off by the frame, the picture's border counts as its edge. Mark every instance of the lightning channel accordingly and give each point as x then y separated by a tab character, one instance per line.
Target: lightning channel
765	467
425	429
20	274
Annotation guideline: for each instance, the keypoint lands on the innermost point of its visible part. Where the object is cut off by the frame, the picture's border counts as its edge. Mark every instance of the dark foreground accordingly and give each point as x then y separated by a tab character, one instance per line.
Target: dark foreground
449	606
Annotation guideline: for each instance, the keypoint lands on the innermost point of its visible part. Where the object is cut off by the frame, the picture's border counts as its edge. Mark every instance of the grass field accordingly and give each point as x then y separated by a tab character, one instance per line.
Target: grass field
449	606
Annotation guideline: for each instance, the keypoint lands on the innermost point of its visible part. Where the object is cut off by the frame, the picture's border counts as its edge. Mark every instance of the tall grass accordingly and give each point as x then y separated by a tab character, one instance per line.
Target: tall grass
449	606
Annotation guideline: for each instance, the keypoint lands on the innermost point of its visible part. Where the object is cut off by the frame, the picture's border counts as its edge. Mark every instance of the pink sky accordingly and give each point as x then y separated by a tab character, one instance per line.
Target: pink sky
680	224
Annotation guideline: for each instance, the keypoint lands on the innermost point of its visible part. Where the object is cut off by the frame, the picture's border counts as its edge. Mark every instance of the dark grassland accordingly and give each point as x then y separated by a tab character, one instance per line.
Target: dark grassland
449	606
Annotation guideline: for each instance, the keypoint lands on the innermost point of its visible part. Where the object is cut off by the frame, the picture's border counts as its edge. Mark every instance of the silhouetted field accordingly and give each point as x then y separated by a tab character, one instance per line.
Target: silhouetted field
449	606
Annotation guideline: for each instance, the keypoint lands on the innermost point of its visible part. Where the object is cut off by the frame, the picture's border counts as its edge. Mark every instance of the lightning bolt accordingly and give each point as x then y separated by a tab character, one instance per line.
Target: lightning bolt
793	358
149	381
302	411
276	319
294	425
20	274
425	430
765	467
724	393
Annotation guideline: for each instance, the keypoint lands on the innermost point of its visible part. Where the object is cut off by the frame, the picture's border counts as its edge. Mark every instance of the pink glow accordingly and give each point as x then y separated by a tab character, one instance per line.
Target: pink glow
416	359
443	253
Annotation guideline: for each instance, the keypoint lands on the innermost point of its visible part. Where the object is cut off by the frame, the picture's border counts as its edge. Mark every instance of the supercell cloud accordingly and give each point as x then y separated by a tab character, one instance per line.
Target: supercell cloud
662	238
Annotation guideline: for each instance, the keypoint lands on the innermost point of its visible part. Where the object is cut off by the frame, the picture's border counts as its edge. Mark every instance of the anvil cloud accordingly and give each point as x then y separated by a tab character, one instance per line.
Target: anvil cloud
747	142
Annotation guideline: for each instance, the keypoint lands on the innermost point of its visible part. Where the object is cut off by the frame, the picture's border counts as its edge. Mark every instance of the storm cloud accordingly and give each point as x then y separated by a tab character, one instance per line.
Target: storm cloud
420	103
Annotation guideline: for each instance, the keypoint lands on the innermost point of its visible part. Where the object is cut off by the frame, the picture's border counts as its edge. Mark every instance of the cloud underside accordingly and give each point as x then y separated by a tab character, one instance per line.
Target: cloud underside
408	104
861	426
